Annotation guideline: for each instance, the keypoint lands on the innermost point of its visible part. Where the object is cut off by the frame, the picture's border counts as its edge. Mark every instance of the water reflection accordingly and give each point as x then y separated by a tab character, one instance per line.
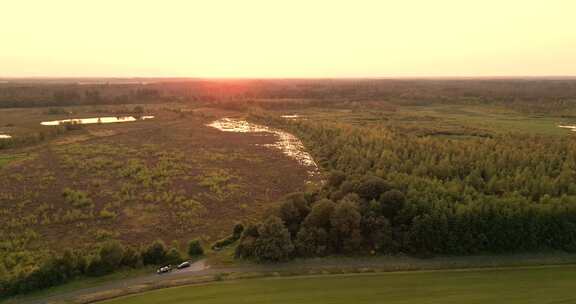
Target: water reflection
291	116
95	120
289	144
572	128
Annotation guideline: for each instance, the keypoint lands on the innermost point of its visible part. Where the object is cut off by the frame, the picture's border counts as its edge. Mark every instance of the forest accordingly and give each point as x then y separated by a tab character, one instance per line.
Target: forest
391	193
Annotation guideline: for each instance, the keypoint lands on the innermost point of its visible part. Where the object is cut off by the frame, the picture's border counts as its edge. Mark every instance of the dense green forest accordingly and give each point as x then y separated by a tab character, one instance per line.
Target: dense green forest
390	192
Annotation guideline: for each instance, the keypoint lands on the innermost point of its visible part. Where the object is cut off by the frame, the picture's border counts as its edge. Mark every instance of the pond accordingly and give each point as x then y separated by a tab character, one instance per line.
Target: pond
572	128
287	143
95	120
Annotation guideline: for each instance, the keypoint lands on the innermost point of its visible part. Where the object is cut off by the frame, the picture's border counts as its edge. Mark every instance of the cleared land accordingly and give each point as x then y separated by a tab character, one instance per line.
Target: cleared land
170	178
539	285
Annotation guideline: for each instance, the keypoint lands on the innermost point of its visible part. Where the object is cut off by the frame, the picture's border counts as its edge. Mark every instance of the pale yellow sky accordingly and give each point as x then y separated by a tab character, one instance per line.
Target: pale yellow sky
291	38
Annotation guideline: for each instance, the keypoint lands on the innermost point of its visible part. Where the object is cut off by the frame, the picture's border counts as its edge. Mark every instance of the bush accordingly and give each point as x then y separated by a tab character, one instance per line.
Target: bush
111	255
131	258
238	229
274	243
155	253
195	248
96	267
246	247
76	198
138	110
173	257
236	234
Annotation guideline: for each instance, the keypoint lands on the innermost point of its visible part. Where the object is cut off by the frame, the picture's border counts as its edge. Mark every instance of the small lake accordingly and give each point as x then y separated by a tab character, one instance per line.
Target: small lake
572	128
95	120
5	136
287	143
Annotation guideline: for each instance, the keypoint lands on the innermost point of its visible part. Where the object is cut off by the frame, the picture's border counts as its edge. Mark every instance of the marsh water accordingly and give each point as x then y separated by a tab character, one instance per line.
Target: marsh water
95	120
287	143
572	128
291	116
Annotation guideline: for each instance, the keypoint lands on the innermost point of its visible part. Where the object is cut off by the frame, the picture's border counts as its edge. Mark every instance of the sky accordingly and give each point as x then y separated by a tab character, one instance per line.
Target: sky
287	39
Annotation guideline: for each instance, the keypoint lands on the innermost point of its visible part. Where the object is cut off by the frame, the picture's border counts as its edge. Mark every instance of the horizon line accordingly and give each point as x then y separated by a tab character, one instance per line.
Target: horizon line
415	77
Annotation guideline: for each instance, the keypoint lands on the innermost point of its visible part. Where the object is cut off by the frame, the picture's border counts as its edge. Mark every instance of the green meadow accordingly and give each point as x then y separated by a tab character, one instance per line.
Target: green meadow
528	285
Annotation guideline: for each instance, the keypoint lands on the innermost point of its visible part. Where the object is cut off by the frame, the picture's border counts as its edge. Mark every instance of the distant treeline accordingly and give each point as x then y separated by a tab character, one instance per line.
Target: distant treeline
393	193
525	94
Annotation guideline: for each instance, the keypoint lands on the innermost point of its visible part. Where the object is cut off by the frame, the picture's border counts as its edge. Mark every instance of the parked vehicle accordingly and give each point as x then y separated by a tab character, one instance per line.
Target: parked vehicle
164	269
184	265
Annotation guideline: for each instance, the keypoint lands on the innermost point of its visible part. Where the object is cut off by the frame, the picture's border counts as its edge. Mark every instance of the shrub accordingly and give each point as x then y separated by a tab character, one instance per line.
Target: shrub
246	247
155	253
107	214
173	256
111	255
237	231
77	199
195	248
236	234
274	243
95	267
131	258
138	110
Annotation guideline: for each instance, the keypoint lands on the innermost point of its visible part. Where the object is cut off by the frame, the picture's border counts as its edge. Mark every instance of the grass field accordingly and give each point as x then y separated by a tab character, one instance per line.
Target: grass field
535	285
452	121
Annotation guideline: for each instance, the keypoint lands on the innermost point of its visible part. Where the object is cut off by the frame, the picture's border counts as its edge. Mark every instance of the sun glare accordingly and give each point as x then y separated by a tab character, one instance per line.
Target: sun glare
256	38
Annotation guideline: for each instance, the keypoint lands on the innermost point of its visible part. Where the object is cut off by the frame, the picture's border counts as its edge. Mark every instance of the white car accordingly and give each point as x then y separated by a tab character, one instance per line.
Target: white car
183	265
164	269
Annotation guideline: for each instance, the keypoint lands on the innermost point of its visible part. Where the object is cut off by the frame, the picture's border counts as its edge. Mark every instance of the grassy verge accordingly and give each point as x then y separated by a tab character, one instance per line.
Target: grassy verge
536	285
80	283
